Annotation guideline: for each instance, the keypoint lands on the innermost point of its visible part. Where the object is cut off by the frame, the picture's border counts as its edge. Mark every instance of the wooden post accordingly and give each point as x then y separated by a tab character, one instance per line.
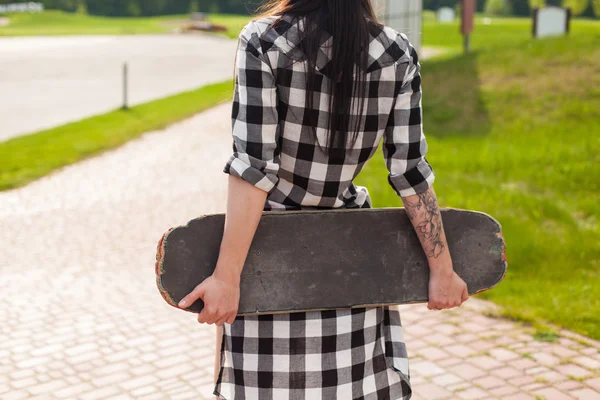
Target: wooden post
125	86
468	22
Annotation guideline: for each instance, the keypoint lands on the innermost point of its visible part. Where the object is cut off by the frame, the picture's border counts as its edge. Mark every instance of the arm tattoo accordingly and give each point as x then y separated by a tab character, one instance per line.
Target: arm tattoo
430	228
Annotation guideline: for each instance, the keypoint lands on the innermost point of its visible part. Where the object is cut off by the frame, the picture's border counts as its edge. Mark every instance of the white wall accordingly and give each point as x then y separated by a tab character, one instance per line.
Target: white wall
403	15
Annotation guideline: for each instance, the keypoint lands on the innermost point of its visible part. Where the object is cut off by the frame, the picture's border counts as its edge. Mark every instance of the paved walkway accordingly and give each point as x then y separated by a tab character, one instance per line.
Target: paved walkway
51	80
82	318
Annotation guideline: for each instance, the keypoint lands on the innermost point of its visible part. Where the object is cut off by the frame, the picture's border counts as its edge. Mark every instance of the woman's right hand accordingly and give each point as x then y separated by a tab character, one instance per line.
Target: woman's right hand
221	299
446	289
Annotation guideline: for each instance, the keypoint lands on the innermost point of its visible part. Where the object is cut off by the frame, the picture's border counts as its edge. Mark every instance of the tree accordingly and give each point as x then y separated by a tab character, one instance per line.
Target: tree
520	8
537	3
81	8
596	5
577	6
194	6
498	7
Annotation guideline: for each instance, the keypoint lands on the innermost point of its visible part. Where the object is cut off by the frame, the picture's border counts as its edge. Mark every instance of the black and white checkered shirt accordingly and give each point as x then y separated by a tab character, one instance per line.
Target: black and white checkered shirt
338	354
276	152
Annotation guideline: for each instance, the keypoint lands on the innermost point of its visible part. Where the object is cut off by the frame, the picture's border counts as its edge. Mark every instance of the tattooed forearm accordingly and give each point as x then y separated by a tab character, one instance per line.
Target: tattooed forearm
423	211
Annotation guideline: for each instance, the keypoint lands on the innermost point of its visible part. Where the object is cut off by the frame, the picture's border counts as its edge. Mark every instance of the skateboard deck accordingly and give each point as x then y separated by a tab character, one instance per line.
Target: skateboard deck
320	260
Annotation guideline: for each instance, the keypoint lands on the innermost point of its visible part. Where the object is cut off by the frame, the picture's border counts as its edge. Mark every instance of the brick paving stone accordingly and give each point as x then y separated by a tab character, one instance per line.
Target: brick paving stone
520	396
15	395
533	386
562	351
468	372
459	387
488	382
536	370
521	380
503	391
507	372
72	391
522	363
23	383
501	354
156	396
585	394
573	370
460	350
586	362
144	390
139	381
473	393
110	379
545	358
144	369
432	391
440	340
552	394
552	376
433	353
449	362
467	338
84	348
485	362
23	373
446	379
172	371
426	368
482	345
184	395
101	393
593	383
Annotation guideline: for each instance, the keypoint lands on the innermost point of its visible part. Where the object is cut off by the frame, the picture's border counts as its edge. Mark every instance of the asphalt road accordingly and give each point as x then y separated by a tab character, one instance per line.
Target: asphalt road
49	81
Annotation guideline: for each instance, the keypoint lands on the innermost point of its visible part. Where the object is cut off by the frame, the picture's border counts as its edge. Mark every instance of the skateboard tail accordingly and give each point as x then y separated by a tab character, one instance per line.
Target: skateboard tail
159	268
499	250
160	254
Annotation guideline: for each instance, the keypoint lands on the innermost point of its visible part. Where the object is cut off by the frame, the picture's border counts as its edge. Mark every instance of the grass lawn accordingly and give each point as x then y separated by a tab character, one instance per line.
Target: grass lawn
26	158
514	131
63	23
499	32
234	23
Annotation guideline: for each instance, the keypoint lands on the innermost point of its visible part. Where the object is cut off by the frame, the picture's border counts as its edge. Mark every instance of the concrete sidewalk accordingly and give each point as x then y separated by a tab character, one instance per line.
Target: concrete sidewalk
82	318
82	75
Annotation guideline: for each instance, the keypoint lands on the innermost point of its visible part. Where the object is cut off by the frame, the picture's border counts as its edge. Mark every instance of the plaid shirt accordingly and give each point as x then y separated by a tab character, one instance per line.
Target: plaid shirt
337	354
275	151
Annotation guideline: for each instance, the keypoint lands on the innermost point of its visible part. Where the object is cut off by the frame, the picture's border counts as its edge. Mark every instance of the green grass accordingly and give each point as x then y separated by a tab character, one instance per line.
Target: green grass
234	23
62	23
500	32
514	131
26	158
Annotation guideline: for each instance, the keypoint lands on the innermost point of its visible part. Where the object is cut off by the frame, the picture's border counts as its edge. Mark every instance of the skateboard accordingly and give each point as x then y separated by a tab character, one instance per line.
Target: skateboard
321	260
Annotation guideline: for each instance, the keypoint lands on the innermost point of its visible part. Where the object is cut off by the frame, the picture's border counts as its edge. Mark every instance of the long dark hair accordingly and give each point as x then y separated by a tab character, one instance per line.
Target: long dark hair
348	23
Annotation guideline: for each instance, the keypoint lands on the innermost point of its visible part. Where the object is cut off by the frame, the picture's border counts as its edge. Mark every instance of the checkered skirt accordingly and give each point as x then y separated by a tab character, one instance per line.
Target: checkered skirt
323	355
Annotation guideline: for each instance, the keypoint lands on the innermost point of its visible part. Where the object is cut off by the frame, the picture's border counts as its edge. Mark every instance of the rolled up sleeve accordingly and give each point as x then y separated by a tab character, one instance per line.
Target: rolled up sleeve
405	145
255	121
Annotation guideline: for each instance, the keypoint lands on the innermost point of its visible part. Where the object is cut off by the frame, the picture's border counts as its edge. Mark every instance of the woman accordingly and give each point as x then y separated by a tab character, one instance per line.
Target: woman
319	83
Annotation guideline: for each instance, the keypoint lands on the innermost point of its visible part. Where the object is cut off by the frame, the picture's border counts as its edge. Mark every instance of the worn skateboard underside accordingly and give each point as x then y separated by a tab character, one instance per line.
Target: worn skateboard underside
316	260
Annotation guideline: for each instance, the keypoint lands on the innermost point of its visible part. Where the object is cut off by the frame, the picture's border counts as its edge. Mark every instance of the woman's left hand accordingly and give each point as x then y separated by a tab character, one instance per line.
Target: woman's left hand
221	301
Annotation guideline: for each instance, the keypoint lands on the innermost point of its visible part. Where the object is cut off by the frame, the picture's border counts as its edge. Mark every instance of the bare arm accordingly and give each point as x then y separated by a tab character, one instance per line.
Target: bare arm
245	204
221	291
424	213
446	288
